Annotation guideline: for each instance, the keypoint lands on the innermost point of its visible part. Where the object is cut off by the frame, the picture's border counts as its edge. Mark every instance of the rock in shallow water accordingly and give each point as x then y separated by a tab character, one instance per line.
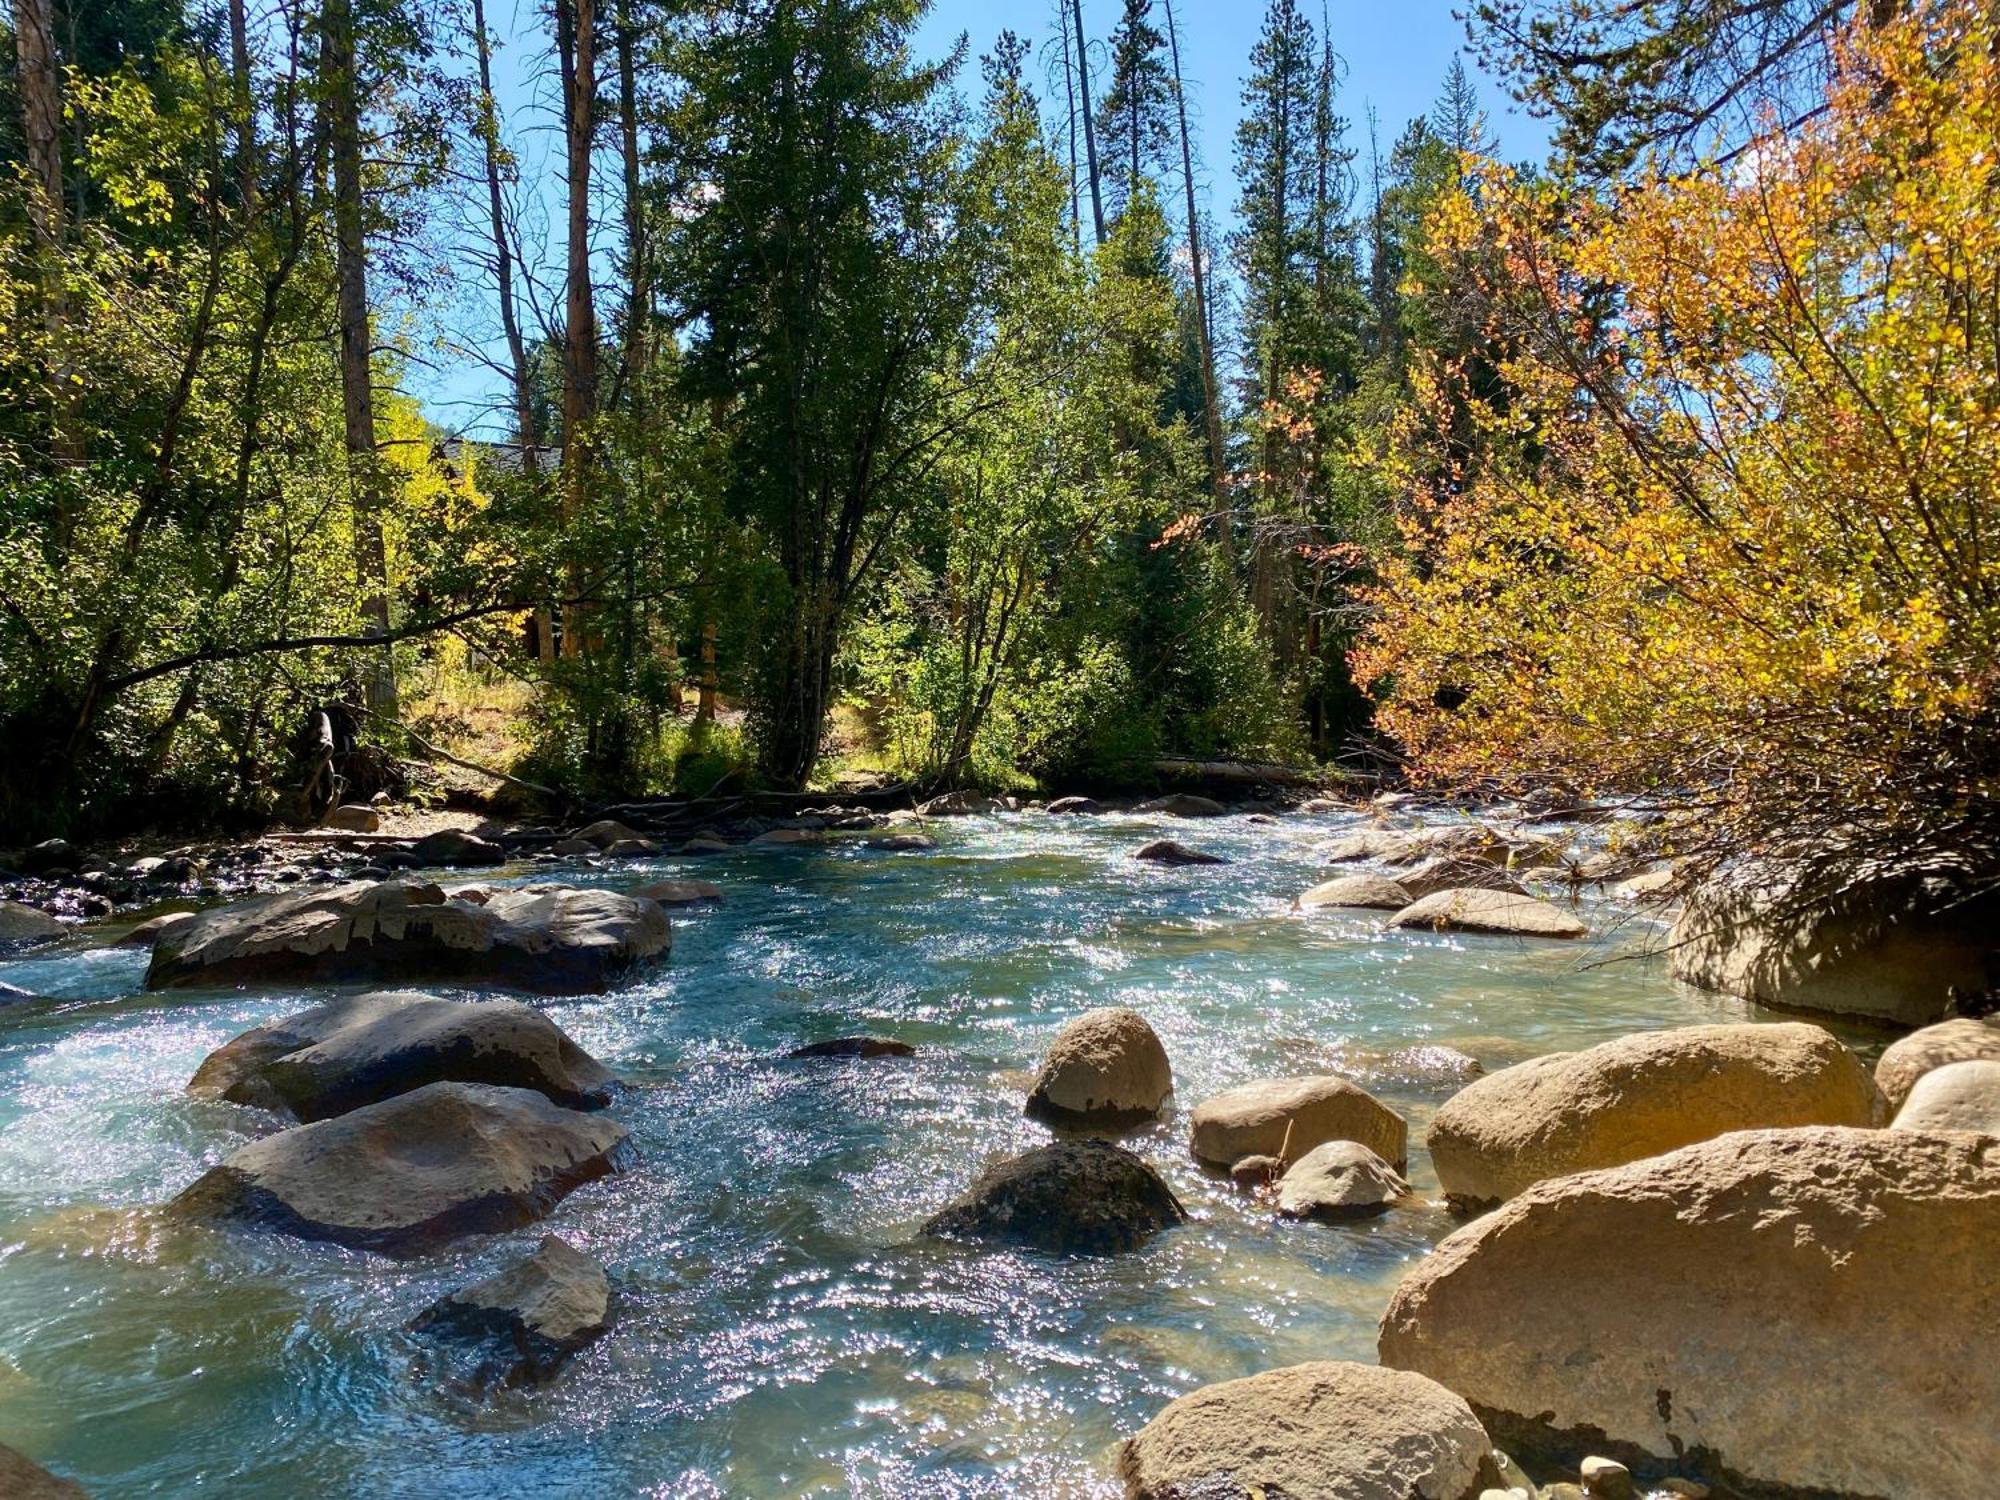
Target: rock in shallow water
1105	1067
551	939
1287	1117
1368	891
1074	1197
1168	852
855	1046
21	1478
361	1050
1639	1096
1339	1180
680	892
1502	912
25	924
1183	805
412	1173
1811	1311
1329	1431
530	1320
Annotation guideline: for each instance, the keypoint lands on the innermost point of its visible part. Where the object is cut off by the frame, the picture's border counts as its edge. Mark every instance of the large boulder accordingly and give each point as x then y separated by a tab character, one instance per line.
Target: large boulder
412	1173
25	924
1106	1067
1799	1312
550	939
366	1048
1287	1117
1957	1096
1387	845
957	805
1639	1096
1373	891
1074	1197
455	848
1456	872
1170	852
1073	807
1328	1431
1897	949
524	1324
21	1478
148	932
1339	1180
1908	1058
1183	805
1475	910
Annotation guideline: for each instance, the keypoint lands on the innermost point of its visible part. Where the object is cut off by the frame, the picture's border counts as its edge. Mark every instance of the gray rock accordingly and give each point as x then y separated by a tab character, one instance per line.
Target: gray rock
680	892
1167	852
1498	912
1378	892
903	842
530	1320
1106	1067
1073	1197
855	1046
353	817
1183	805
366	1048
24	924
455	848
1339	1180
412	1173
1073	806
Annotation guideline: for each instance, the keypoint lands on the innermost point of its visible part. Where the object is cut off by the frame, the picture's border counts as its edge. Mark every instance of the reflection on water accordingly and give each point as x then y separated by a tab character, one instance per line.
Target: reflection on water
780	1330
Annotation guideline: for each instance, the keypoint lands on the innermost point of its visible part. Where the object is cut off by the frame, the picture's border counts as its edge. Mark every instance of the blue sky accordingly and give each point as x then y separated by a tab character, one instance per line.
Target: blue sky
1396	59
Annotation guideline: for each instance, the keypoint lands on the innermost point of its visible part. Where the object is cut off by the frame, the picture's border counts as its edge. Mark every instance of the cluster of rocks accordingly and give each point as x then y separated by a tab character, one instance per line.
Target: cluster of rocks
420	1121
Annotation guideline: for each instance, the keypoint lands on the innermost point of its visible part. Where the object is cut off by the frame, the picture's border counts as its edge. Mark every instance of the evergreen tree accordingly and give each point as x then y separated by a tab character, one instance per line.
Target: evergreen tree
1135	121
1457	116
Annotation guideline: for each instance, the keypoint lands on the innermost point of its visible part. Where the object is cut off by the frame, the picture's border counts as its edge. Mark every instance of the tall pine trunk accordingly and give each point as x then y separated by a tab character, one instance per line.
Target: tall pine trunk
364	465
1089	130
503	254
576	32
1211	397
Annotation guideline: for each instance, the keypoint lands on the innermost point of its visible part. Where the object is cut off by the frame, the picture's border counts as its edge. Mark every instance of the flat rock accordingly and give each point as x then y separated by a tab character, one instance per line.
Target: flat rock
1105	1067
1167	852
1908	1058
1456	872
958	804
855	1046
680	892
454	847
148	932
1327	1431
1287	1117
1896	949
1373	891
21	1478
414	1172
903	843
790	836
365	1048
1501	912
1807	1309
1182	805
530	1320
551	939
1958	1096
25	924
1073	1197
1384	845
1339	1180
353	817
1640	1096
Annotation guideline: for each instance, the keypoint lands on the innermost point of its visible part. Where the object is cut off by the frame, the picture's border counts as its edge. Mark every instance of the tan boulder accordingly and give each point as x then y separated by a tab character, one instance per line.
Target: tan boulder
1388	845
1105	1066
1327	1431
414	1172
1811	1309
1958	1096
1908	1058
1287	1117
1376	891
1456	872
524	1324
1890	949
1640	1096
353	817
1502	912
1339	1180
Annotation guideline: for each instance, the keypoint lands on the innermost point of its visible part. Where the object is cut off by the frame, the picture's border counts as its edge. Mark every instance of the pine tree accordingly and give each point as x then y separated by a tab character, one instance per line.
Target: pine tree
1135	120
1457	118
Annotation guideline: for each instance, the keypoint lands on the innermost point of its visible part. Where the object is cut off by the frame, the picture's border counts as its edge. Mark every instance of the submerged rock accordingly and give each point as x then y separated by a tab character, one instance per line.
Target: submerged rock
1073	1197
1807	1309
25	924
1287	1117
1639	1096
356	1051
1372	891
412	1173
1105	1067
1328	1431
1339	1180
21	1478
530	1320
680	892
1183	805
1167	852
1907	1059
1890	948
1958	1096
552	939
855	1046
1501	912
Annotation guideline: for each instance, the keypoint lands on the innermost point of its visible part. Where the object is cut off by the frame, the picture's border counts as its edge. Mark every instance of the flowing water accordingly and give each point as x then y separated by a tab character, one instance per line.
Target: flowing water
781	1330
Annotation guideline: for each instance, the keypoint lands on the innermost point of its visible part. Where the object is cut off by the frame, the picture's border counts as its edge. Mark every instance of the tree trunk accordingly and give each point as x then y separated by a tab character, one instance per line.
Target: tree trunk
576	35
503	255
1069	96
1089	130
246	107
39	77
1211	398
356	380
705	705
